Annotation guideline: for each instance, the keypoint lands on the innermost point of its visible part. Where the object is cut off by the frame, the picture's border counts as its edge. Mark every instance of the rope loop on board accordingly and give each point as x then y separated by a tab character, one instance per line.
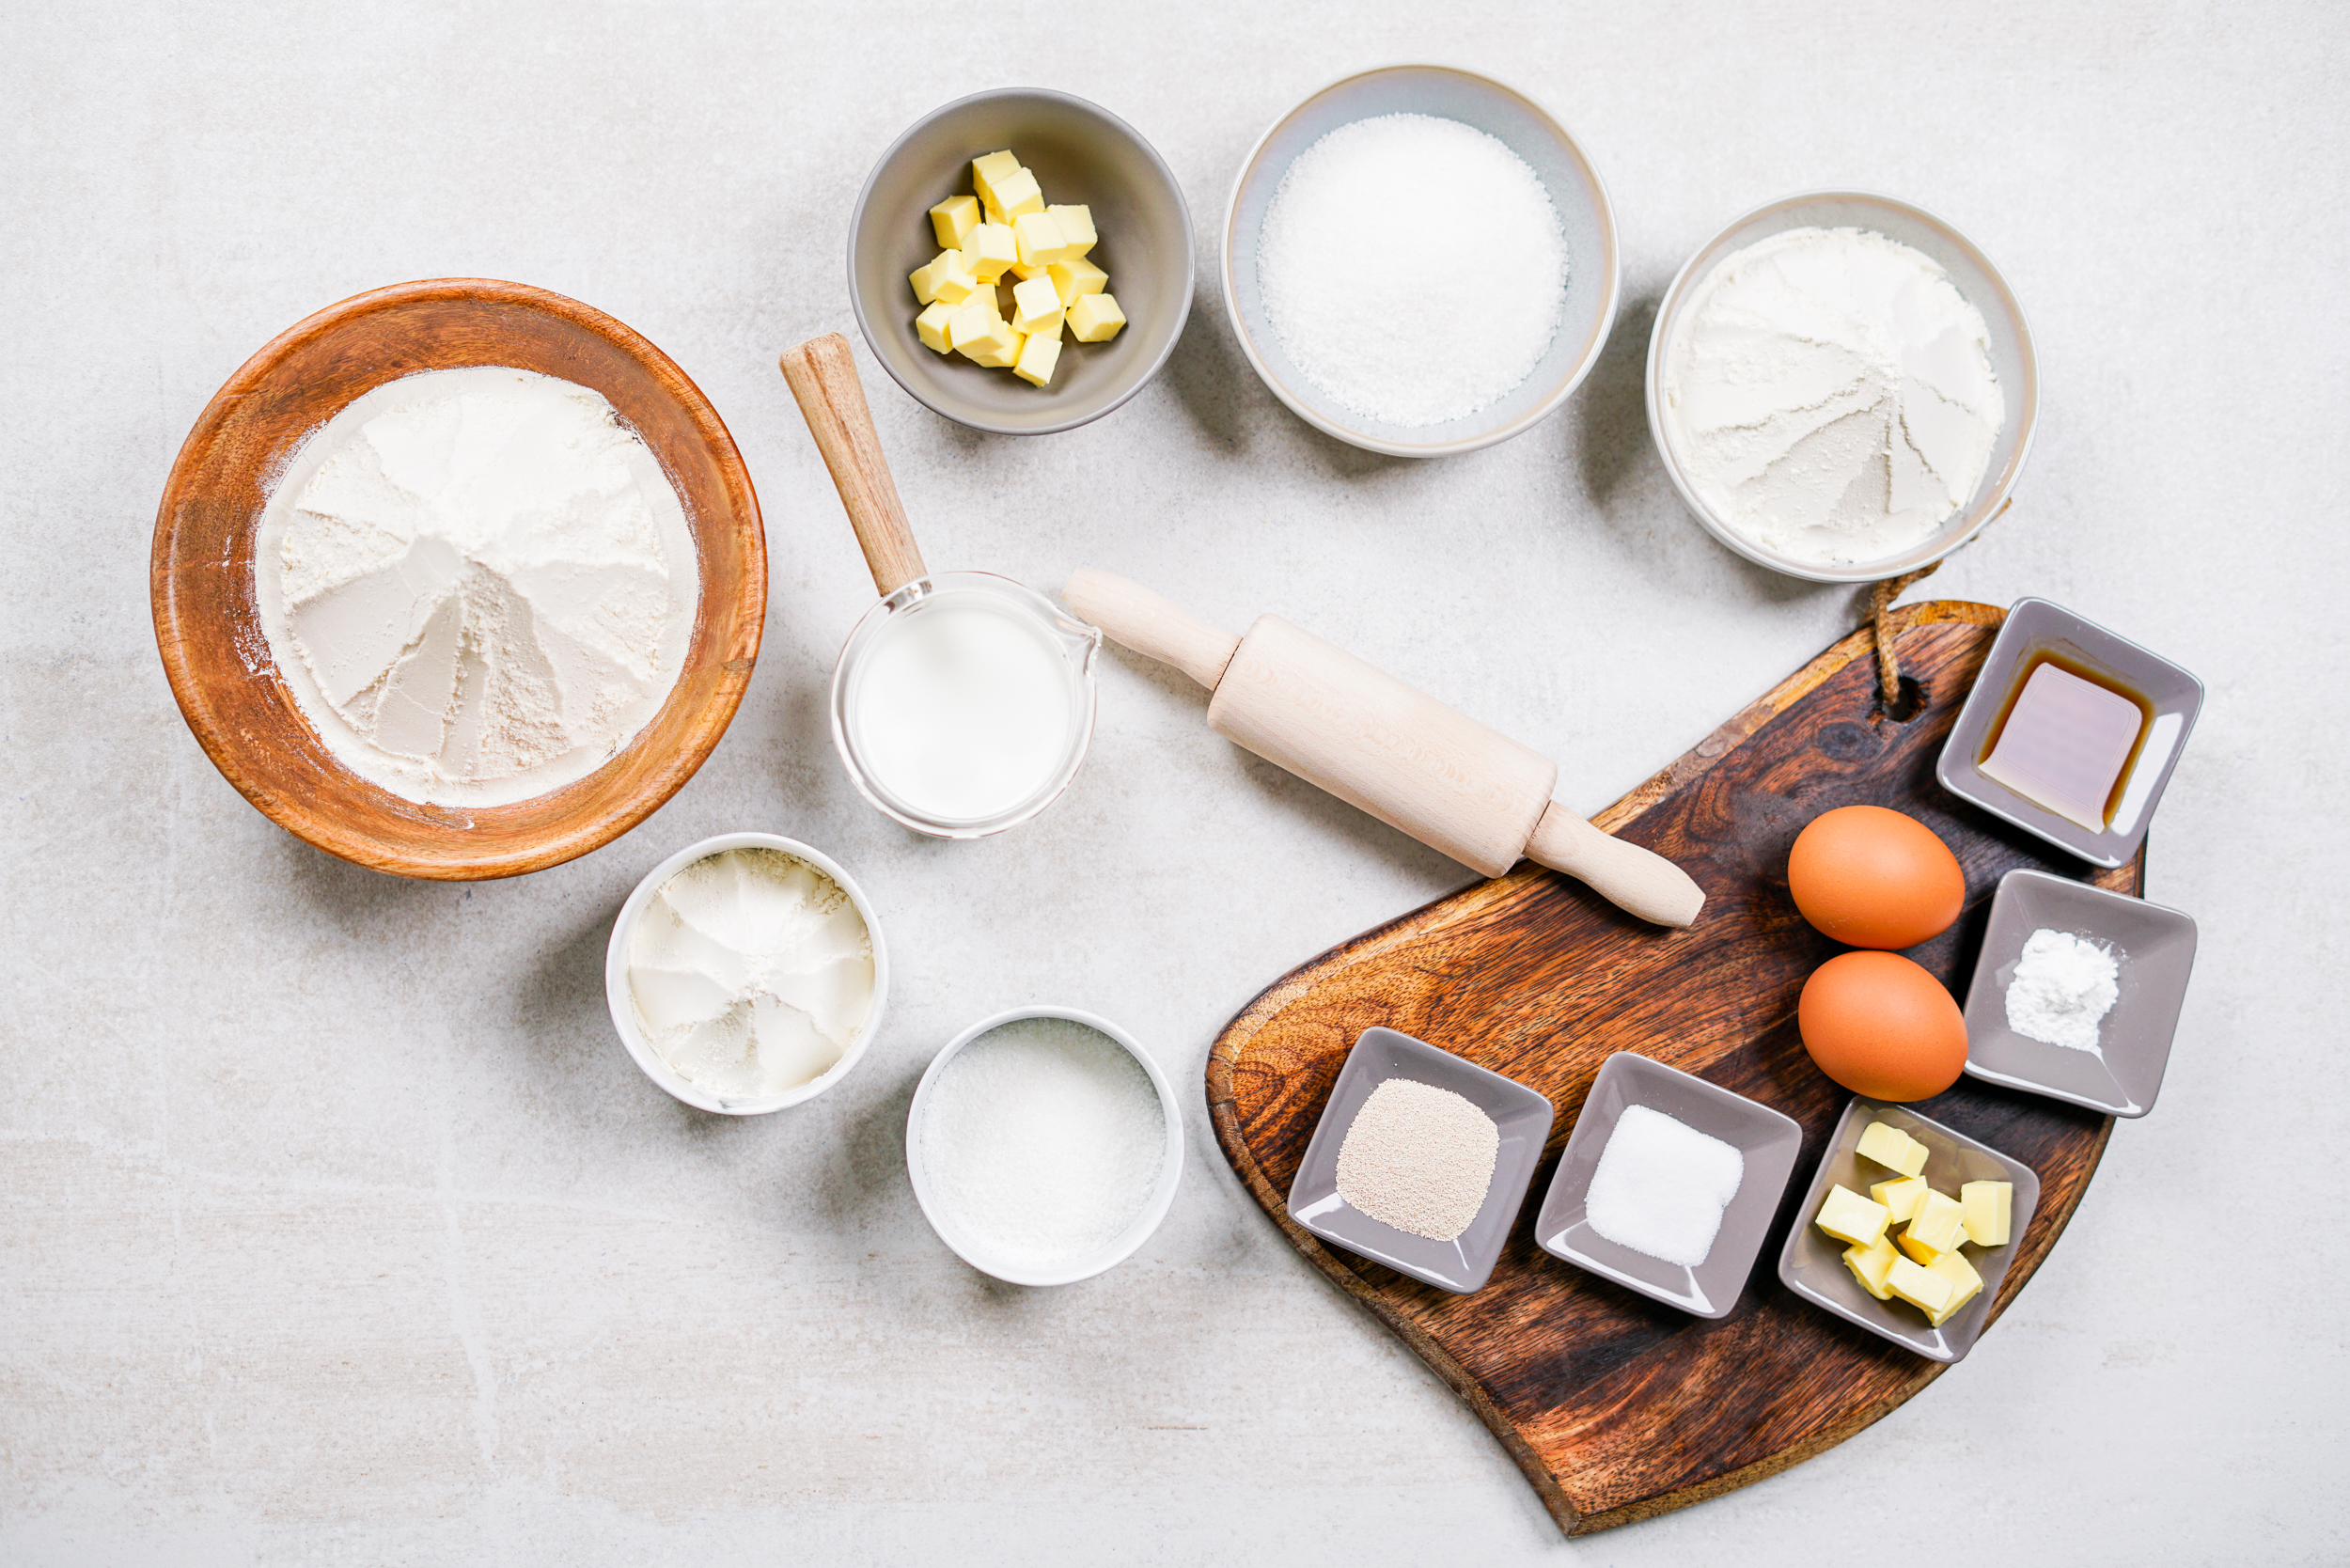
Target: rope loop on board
1881	599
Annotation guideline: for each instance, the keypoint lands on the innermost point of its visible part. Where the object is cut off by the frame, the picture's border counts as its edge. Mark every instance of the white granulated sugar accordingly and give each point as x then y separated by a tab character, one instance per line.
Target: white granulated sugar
1829	394
1042	1142
1420	1158
1661	1187
478	584
1412	268
2065	985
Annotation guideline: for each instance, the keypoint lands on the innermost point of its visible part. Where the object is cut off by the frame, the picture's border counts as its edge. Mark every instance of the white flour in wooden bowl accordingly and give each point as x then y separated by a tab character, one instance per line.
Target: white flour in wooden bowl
478	584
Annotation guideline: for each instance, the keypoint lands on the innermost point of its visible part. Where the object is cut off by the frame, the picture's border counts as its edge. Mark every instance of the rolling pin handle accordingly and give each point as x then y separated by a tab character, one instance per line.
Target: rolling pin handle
824	381
1638	881
1134	616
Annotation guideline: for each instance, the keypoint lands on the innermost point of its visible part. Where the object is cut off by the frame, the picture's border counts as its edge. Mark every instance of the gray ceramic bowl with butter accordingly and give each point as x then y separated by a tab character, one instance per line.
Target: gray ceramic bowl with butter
1082	155
1595	264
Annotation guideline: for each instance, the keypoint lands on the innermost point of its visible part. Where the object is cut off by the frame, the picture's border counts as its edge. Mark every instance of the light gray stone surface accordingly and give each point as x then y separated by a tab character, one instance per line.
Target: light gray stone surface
335	1227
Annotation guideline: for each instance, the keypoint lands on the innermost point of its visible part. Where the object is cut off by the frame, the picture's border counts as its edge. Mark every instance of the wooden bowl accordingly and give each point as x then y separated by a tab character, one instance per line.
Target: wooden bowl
210	634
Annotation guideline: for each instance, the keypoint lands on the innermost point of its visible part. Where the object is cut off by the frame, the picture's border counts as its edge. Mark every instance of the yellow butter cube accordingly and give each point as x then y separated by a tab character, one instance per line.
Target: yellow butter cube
1901	1196
1078	277
1035	307
971	321
1966	1284
987	169
1892	1148
1988	1209
1095	318
1870	1265
953	219
988	251
933	326
945	278
1846	1214
1919	1286
1042	243
1917	1250
1038	356
1077	227
993	343
1017	194
1022	271
1939	1222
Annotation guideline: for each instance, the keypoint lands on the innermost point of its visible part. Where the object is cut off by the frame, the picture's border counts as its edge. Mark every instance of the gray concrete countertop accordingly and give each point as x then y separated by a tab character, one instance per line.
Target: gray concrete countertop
335	1226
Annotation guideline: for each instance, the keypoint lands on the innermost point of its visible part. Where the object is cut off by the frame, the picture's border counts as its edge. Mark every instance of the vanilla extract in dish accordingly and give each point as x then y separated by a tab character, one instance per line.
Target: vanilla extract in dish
2068	739
962	708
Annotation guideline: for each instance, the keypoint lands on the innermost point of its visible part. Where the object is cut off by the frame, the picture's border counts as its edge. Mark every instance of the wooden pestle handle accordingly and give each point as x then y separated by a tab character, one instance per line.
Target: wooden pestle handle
823	380
1641	882
1132	617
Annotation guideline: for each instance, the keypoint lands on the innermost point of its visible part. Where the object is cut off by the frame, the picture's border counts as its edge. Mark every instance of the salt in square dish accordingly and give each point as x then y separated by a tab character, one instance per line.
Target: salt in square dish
2157	949
1768	1140
2033	627
1811	1263
1521	1115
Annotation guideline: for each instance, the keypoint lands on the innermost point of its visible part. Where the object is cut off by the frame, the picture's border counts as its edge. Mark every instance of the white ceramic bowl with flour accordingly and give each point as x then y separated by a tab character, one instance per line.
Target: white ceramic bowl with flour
746	986
1044	1145
1311	375
2007	346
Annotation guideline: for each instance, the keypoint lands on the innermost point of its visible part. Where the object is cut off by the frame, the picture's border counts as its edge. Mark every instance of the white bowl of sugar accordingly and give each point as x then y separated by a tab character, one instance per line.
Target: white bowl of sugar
1044	1145
1465	327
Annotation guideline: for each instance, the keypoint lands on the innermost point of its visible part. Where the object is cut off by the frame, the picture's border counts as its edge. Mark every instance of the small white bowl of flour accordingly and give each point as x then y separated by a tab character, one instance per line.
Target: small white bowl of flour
1842	387
746	973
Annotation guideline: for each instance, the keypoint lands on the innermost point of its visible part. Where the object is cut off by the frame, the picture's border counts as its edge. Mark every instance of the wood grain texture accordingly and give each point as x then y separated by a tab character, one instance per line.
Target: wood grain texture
1618	1407
823	376
208	630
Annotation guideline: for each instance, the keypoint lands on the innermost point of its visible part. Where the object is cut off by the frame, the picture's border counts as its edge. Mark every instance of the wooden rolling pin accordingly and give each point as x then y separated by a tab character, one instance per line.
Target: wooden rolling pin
1374	742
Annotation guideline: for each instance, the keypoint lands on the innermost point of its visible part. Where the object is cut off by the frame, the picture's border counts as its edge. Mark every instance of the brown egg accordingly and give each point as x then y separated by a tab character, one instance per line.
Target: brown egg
1881	1026
1873	878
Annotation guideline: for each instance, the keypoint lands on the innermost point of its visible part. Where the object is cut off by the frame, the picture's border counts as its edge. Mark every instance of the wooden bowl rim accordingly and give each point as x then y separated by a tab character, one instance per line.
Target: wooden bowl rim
745	607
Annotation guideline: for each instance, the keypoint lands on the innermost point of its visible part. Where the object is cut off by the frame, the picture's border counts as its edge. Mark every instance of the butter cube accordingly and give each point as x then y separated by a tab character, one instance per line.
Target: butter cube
988	251
1966	1284
1039	355
1022	271
1901	1196
1940	1223
1017	194
971	321
993	343
1988	1209
1036	308
1042	243
1077	227
953	219
1892	1148
933	326
945	278
1923	1289
988	170
1078	277
1917	1250
1870	1265
1095	318
1846	1214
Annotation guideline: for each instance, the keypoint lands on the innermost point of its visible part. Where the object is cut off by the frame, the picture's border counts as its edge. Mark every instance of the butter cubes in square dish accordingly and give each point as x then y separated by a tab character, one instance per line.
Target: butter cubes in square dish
1922	1263
1006	233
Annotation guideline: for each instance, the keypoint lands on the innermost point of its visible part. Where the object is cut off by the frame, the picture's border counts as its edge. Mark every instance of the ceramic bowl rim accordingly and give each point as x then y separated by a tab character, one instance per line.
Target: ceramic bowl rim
1145	1224
1948	538
1141	378
1611	247
621	1003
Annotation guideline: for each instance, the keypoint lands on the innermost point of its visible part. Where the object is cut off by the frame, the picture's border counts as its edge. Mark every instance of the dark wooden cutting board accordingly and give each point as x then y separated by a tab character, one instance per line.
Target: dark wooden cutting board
1618	1407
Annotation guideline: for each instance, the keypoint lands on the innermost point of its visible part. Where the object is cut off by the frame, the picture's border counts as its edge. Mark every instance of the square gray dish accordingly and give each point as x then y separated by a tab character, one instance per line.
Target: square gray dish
1811	1263
1768	1140
2156	947
1466	1261
2035	626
